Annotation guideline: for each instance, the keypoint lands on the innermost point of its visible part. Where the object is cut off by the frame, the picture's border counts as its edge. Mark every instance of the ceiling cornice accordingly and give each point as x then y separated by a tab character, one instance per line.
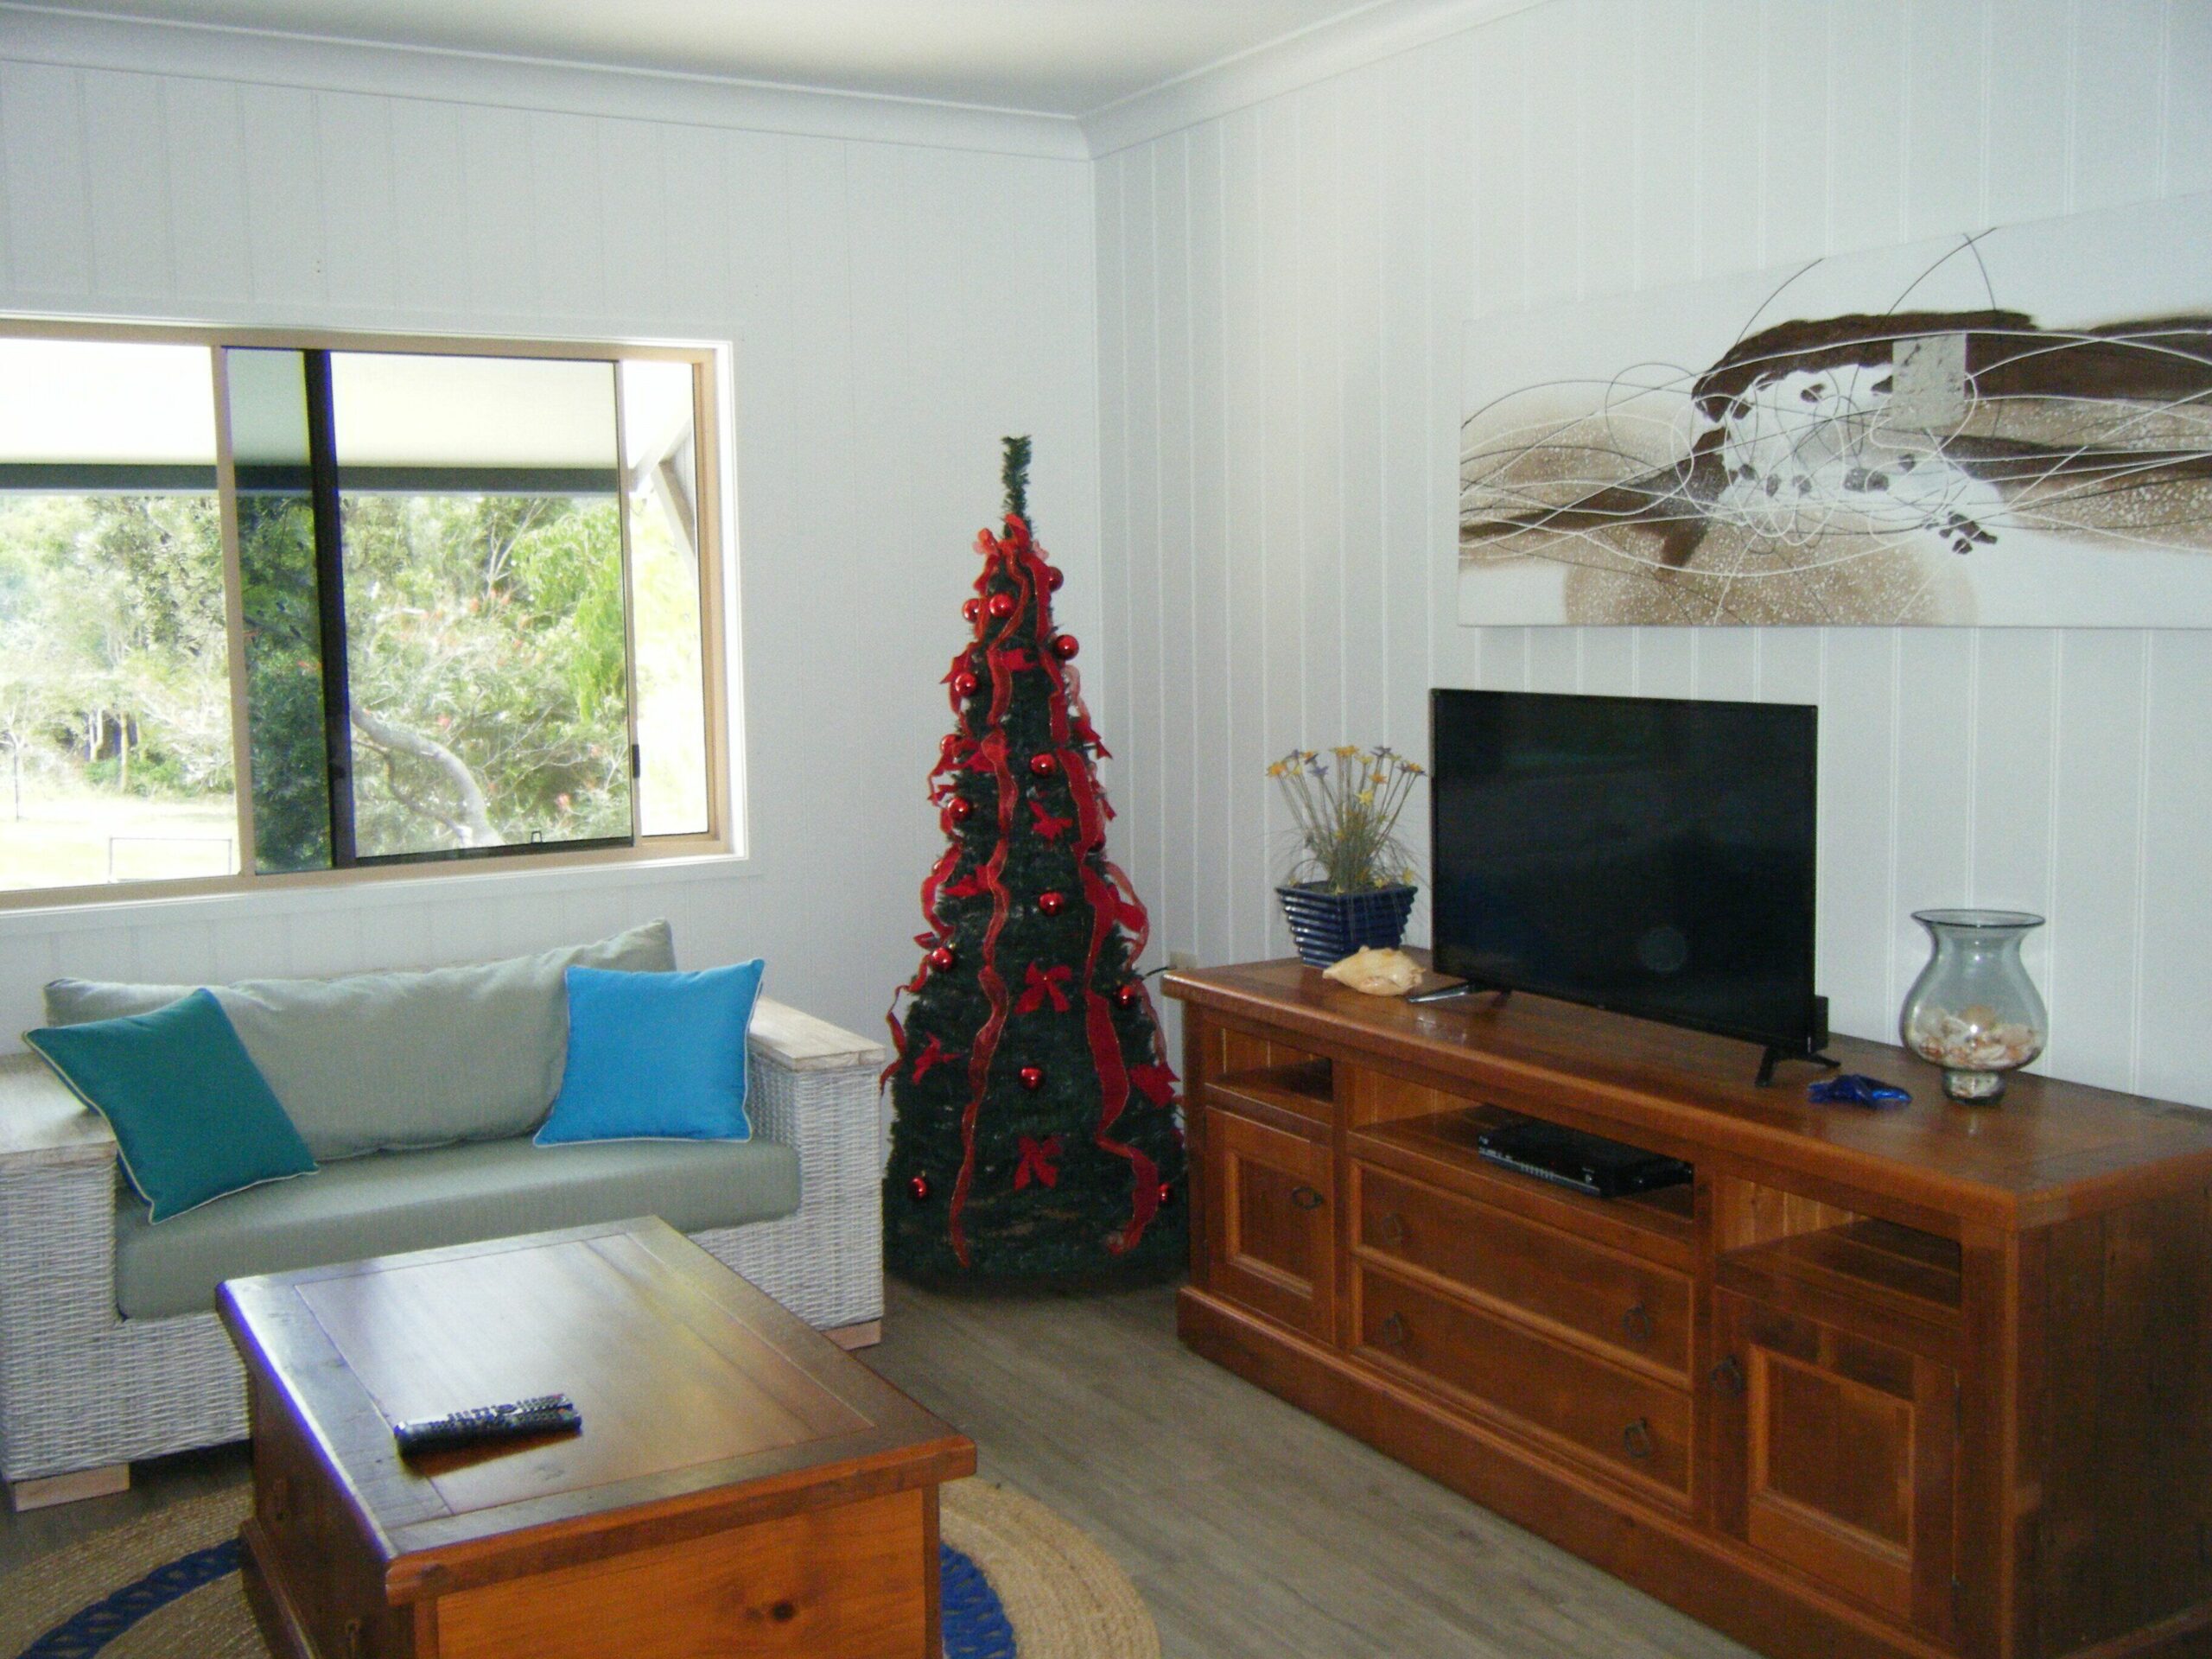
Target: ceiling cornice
1331	48
41	35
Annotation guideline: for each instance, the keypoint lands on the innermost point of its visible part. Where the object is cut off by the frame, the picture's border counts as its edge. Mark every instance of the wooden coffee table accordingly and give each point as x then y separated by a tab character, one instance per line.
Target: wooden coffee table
742	1486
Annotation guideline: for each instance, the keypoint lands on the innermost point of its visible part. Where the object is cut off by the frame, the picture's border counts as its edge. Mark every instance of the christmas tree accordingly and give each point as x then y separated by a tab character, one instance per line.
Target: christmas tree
1034	1136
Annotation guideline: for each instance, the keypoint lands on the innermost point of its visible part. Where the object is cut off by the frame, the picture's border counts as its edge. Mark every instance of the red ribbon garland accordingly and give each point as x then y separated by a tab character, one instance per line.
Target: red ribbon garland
1042	983
1156	1082
993	747
1107	910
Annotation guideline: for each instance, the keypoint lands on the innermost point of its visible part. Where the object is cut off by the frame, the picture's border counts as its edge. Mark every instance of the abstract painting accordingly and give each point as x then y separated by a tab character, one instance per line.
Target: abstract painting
2012	427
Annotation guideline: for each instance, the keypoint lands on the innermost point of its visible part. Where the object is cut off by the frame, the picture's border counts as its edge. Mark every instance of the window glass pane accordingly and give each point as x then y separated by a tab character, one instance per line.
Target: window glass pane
115	710
660	469
284	640
486	639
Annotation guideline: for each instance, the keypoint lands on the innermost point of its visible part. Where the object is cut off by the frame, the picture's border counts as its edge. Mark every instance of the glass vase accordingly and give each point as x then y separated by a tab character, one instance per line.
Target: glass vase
1974	1011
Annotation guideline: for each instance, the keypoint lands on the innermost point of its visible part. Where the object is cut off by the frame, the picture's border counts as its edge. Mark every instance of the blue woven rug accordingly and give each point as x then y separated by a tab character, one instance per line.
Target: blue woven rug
975	1625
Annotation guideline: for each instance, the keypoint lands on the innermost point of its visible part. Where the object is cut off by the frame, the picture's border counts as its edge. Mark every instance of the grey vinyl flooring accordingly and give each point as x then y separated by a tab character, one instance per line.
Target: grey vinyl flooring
1252	1529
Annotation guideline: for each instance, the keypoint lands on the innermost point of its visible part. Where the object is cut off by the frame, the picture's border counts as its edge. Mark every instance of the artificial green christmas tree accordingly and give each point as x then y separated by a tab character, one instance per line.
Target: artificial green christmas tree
1034	1136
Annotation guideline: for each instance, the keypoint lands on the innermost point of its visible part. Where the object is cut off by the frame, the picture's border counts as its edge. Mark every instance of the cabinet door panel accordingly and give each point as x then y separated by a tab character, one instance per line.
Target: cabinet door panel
1270	1221
1837	1455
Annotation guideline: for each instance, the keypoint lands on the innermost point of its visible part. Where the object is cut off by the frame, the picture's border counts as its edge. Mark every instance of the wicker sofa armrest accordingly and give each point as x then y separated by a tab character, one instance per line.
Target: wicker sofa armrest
812	1087
799	1042
42	1125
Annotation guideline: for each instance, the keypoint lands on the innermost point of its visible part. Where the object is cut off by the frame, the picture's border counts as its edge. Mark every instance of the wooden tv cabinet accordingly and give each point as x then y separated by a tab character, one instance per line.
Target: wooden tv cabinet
1927	1381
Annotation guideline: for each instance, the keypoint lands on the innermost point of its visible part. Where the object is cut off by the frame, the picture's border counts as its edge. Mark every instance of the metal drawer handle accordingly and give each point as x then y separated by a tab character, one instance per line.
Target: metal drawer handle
1391	1229
1728	1375
1391	1333
1306	1198
1639	1323
1636	1437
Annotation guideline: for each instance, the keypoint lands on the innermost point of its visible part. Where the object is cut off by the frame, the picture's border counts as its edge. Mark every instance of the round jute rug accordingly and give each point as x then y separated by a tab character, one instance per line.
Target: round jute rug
1019	1583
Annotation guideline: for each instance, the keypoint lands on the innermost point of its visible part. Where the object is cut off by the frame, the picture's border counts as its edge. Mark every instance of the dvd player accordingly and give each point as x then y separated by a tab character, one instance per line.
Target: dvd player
1588	1163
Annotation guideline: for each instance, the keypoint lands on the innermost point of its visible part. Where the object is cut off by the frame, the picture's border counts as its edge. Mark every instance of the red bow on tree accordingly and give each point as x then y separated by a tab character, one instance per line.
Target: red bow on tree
934	1053
1048	827
1010	658
967	887
1156	1082
1037	1163
1041	983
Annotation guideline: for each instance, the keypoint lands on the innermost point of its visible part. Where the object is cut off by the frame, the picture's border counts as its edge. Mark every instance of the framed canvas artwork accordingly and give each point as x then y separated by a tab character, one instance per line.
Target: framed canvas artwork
2008	429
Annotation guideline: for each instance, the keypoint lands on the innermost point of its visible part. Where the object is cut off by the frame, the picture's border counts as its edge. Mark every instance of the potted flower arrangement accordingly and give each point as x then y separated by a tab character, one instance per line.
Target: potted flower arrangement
1352	884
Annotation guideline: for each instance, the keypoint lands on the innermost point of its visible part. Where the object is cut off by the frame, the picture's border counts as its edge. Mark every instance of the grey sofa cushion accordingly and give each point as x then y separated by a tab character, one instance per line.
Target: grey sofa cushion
390	1202
382	1061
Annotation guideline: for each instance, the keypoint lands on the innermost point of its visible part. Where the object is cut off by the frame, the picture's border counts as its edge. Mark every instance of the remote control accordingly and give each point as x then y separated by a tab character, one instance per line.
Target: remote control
545	1414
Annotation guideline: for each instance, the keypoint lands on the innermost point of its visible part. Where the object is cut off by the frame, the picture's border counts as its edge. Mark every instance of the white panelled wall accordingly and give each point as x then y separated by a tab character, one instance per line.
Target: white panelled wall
896	303
1238	346
1283	293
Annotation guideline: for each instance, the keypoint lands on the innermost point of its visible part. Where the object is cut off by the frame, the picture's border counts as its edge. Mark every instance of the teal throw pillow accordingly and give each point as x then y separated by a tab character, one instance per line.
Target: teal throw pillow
192	1118
655	1057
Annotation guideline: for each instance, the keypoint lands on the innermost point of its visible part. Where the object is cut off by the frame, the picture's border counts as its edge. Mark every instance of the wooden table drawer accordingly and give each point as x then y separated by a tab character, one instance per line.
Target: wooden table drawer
1629	1308
1627	1422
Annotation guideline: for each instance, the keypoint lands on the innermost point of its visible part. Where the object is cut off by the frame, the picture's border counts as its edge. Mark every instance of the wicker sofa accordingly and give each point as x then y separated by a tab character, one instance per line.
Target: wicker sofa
84	1390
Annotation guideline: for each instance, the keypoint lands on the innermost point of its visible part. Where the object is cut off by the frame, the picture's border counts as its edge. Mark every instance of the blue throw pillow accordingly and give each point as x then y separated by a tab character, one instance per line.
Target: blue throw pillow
655	1057
193	1117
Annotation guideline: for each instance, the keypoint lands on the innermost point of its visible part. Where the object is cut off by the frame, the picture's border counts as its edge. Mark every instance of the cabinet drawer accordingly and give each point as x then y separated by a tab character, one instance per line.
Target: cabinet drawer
1629	1308
1630	1424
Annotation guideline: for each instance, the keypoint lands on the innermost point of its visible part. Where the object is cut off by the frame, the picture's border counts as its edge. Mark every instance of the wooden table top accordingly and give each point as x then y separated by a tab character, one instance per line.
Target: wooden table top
702	1397
2052	1148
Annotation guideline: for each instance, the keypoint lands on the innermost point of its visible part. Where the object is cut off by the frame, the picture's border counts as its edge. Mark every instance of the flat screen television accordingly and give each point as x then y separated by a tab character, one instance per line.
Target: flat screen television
1649	855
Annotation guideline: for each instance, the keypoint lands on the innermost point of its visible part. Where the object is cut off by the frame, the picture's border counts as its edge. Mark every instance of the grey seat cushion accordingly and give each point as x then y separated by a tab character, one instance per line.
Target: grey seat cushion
385	1062
390	1202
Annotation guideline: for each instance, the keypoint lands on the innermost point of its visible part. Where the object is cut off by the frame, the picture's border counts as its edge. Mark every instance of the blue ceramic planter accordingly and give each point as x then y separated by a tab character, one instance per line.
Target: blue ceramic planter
1330	926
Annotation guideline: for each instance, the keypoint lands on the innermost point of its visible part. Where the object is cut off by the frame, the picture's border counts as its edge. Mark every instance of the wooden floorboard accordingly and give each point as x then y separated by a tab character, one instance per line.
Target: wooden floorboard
1252	1529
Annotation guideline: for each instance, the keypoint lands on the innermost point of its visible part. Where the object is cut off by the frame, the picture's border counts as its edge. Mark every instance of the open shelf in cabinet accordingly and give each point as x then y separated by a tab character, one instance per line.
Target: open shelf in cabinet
1243	1066
1897	1268
1306	1087
1443	1146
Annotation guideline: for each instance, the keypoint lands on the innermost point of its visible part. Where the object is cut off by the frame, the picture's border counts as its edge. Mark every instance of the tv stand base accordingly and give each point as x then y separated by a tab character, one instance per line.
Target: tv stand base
1447	993
1773	1055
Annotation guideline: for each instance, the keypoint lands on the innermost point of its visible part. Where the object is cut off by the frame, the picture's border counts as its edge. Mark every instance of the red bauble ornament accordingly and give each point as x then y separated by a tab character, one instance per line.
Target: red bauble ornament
965	684
1044	765
1001	605
1130	995
1052	902
973	610
1033	1078
1167	1193
943	958
961	809
1053	578
1064	645
918	1189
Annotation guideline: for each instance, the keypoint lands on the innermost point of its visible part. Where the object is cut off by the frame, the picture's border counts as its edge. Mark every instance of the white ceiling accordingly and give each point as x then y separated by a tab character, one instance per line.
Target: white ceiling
1056	57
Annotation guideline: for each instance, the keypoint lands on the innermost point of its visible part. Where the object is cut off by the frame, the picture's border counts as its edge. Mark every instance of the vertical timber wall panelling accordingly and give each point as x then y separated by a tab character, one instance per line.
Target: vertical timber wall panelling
1283	292
894	306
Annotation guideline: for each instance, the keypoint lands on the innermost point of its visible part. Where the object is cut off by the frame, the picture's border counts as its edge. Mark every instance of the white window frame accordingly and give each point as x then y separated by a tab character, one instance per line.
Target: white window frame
724	838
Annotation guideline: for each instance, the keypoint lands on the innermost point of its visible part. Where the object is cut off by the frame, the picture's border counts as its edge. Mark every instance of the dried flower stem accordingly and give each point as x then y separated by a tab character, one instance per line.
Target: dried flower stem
1346	816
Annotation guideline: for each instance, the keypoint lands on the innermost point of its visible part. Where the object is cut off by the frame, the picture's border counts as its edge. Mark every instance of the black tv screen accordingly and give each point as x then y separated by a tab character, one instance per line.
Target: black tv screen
1645	854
